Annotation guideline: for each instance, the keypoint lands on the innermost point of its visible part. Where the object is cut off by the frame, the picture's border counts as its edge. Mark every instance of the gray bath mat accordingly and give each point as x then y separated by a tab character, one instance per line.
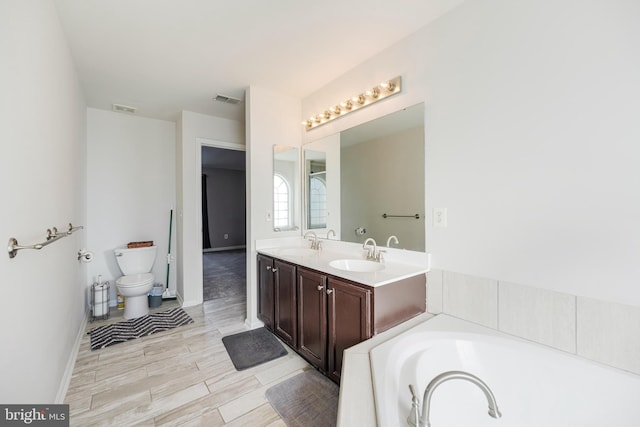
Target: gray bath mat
308	399
251	348
115	333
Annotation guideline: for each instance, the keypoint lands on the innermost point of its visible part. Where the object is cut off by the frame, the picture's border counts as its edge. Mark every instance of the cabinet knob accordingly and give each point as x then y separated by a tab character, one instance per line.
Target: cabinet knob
329	291
268	268
273	270
320	287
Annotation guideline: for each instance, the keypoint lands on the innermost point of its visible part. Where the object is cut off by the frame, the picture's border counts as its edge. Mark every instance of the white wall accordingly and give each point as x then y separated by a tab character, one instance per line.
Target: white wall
42	129
531	112
130	190
192	126
266	126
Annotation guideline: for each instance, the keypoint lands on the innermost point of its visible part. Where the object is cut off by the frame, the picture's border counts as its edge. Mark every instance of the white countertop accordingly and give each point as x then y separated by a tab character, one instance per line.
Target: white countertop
399	264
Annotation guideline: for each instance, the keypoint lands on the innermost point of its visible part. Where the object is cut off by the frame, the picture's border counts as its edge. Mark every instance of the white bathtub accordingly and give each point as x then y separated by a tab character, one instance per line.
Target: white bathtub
533	385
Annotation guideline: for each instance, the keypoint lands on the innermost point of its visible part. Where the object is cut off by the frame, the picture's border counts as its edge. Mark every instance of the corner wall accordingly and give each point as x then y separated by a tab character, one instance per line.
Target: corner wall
531	140
130	190
192	126
266	126
42	159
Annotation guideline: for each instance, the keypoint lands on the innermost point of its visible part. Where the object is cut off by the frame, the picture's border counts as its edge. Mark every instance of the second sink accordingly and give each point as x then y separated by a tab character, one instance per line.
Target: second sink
356	265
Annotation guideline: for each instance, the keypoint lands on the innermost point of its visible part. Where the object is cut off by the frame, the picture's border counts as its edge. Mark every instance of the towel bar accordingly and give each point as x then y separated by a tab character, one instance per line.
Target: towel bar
52	236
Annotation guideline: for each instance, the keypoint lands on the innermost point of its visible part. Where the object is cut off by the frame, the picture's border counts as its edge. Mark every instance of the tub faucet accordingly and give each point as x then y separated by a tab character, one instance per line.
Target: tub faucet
423	420
315	244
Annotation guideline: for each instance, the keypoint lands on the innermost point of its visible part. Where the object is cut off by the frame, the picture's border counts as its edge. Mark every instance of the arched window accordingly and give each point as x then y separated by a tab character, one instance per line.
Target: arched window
317	201
281	202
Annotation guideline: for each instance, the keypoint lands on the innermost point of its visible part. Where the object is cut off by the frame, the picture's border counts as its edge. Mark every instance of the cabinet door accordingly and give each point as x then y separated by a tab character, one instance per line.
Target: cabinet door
285	315
265	290
312	317
349	310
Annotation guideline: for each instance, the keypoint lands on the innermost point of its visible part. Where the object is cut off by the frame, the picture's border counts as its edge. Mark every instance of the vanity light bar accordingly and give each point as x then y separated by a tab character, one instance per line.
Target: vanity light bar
383	90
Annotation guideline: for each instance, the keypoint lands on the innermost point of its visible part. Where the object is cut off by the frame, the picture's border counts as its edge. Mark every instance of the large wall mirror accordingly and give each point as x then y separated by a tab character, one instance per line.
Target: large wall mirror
374	181
286	188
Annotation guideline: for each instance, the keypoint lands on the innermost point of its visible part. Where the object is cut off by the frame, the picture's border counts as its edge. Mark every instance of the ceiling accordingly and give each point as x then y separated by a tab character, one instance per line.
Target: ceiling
165	56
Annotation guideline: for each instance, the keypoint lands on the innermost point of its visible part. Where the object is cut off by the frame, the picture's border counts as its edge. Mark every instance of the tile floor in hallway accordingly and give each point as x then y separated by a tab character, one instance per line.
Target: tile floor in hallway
179	377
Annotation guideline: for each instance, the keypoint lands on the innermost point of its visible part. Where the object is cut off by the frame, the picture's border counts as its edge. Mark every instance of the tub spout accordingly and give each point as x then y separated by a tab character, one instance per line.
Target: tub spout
443	377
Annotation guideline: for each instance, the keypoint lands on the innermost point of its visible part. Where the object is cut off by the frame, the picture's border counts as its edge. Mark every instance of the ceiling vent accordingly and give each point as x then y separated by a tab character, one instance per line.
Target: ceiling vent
227	99
123	108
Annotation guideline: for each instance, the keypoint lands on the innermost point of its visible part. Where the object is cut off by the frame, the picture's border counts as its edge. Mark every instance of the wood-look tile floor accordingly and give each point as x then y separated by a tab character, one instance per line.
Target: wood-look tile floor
183	376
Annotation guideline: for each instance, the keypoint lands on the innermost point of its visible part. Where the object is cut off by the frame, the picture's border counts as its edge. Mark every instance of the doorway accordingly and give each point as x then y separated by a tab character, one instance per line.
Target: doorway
223	224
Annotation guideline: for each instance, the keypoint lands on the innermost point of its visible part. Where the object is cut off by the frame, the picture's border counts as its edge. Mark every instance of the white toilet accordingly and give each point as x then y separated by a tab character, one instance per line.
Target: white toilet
137	281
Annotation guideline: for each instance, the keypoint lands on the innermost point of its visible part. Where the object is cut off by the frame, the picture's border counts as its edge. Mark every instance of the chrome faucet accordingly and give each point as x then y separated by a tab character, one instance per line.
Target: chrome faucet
372	252
332	232
315	244
414	418
392	238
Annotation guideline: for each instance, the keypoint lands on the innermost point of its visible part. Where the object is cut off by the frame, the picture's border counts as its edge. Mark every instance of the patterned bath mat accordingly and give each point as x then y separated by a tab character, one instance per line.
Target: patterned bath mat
251	348
308	399
104	336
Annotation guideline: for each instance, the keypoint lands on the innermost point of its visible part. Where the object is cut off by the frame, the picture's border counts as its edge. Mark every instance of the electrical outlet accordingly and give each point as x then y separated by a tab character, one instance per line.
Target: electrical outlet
268	215
440	217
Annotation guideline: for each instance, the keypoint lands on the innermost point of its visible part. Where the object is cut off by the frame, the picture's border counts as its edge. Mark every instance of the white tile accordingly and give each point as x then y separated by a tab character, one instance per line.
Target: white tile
471	298
434	291
249	401
609	333
540	315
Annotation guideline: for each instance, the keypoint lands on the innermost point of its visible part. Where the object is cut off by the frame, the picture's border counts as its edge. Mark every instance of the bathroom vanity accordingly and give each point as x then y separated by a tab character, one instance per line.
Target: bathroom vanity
320	310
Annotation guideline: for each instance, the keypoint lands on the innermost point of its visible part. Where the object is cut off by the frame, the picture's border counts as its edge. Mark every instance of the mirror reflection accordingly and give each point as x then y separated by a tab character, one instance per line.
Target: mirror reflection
316	188
286	188
379	167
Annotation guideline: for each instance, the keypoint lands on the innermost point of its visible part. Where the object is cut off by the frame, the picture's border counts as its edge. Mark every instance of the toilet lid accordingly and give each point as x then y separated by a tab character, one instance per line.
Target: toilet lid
135	280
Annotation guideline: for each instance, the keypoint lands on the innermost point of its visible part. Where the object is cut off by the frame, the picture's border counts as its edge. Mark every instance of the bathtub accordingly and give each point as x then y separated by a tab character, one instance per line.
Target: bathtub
533	385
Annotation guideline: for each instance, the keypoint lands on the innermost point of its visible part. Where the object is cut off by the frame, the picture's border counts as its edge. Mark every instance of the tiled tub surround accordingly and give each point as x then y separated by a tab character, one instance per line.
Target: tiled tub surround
533	385
601	331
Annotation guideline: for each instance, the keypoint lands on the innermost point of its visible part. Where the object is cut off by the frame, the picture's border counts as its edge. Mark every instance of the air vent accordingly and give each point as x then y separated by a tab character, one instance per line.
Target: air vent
227	99
123	108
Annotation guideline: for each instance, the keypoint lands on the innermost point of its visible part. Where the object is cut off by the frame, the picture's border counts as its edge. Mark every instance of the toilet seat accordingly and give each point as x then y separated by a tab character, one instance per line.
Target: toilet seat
133	280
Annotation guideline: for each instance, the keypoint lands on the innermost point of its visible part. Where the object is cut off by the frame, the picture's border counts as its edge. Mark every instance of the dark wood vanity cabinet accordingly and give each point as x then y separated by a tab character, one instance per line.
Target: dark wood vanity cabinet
348	321
266	302
320	315
312	317
285	321
277	297
332	315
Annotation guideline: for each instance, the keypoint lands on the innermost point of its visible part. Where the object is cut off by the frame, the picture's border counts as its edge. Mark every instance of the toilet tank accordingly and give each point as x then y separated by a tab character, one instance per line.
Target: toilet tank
135	260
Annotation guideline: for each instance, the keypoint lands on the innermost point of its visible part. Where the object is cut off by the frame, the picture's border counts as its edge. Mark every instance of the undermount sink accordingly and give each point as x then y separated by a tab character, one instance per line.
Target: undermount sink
301	252
356	265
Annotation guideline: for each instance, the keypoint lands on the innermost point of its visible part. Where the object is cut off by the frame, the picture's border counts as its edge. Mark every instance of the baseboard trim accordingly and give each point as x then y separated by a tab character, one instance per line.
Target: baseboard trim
71	363
226	248
255	324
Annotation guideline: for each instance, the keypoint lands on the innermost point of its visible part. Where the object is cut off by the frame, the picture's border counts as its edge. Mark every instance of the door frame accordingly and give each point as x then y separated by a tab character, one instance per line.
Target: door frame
206	142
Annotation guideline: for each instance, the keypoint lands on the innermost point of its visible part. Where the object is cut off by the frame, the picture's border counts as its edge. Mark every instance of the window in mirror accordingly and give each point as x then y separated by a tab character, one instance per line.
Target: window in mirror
281	202
286	188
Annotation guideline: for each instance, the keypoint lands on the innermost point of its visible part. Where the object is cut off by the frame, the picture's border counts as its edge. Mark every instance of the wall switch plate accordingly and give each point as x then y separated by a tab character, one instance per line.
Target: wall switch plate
226	236
440	217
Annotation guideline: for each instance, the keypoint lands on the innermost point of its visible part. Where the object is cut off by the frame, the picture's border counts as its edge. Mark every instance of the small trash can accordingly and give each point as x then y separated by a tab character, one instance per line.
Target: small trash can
155	296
